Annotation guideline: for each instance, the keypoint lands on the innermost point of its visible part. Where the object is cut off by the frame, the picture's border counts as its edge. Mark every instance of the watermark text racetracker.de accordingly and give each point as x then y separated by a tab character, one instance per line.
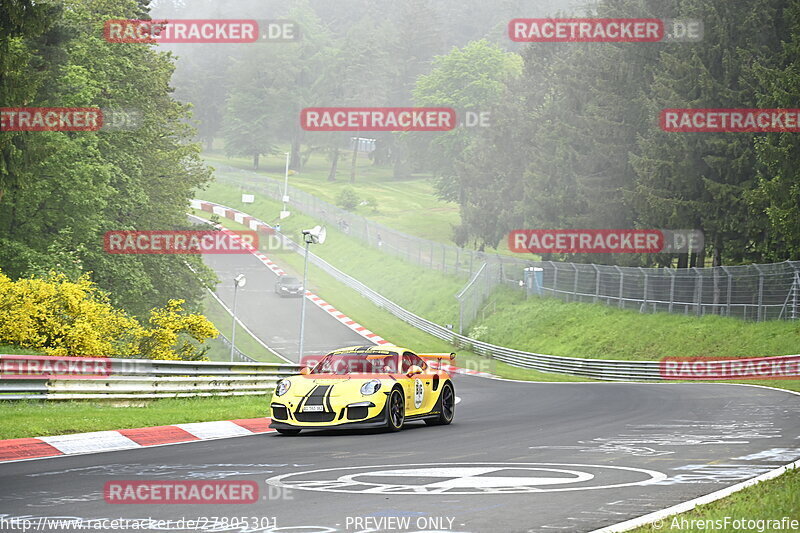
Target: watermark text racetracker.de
180	492
221	31
67	119
730	120
180	242
594	241
70	524
378	119
720	368
630	30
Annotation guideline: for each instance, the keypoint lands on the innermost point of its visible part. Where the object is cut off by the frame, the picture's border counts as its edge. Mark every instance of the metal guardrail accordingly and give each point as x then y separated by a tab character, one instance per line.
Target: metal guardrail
613	370
137	379
750	292
603	369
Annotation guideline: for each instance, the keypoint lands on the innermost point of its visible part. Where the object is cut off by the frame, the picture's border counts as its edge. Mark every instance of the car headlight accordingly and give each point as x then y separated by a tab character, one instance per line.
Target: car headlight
283	386
371	387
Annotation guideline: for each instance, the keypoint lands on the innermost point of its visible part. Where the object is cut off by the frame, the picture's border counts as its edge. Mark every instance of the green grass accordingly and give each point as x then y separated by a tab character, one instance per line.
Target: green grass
538	325
597	331
387	325
769	500
16	350
38	419
408	205
246	343
429	293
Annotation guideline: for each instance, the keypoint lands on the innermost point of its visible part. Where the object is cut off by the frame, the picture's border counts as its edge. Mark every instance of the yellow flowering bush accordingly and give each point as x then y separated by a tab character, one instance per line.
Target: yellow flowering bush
74	318
170	333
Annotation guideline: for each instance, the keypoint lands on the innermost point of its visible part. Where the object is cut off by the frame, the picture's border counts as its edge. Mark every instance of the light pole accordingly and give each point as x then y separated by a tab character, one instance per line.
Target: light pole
316	235
238	281
284	213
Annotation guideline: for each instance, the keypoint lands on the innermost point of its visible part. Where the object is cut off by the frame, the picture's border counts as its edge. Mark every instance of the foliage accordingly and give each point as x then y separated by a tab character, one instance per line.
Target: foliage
61	191
63	317
347	199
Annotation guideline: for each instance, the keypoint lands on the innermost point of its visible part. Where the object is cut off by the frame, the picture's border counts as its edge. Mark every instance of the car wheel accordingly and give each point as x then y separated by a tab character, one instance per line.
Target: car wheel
396	407
447	407
288	431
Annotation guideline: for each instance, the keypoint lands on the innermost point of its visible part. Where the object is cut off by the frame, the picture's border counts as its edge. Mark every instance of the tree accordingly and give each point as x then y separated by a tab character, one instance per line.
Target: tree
469	79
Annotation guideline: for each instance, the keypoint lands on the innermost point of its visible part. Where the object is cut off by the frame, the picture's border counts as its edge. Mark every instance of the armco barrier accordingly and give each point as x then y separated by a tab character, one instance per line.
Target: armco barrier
137	379
609	370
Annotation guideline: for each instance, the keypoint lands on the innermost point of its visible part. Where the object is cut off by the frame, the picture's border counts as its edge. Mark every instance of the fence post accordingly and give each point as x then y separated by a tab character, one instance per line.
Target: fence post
671	288
698	289
555	278
575	283
621	281
728	292
760	292
596	283
643	307
795	290
444	259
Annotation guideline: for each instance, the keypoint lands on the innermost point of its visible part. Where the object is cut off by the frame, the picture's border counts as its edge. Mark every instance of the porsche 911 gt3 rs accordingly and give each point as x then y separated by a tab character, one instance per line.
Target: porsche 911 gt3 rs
365	387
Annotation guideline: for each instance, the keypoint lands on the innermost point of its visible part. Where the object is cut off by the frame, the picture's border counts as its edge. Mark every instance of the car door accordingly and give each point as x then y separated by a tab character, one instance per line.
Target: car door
418	388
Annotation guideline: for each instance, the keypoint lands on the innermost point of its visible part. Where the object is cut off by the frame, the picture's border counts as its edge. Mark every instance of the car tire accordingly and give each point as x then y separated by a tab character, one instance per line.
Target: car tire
447	407
395	410
289	432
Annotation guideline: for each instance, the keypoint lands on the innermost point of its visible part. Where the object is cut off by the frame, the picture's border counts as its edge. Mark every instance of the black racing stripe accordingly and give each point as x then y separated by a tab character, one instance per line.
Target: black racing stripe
304	399
328	398
317	396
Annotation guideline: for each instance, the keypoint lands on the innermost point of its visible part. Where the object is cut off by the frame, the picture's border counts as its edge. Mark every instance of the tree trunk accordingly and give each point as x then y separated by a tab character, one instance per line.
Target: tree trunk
683	260
255	161
334	164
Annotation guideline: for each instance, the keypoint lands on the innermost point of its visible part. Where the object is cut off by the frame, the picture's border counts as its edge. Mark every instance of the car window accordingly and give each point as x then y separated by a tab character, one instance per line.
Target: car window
411	359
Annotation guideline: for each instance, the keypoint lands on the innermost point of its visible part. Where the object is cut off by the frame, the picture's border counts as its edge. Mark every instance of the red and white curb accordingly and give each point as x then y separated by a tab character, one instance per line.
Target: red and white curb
127	439
259	226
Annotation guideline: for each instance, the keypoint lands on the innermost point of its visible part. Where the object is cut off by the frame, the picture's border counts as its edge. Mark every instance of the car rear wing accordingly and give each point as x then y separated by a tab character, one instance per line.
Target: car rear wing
450	356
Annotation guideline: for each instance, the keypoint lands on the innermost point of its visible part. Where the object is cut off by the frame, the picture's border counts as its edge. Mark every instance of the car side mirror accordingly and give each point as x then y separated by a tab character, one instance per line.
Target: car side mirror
305	371
414	370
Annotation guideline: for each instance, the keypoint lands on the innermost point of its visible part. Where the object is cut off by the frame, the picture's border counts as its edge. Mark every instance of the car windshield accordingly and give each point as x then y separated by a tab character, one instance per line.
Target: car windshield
290	281
347	363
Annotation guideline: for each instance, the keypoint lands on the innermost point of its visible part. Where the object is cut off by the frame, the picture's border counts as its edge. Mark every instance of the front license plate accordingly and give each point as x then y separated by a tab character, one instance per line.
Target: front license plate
312	408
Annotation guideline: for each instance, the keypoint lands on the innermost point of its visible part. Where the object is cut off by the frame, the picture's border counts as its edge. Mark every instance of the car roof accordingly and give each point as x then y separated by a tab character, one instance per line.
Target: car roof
372	350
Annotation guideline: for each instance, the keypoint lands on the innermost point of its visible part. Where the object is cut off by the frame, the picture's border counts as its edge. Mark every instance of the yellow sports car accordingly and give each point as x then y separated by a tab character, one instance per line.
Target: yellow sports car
365	387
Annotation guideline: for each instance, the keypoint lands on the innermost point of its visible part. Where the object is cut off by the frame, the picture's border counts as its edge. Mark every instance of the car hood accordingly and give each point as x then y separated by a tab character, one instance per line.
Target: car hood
339	385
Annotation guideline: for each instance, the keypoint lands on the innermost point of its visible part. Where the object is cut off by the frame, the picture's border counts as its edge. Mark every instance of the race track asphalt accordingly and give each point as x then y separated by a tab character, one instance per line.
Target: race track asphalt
519	457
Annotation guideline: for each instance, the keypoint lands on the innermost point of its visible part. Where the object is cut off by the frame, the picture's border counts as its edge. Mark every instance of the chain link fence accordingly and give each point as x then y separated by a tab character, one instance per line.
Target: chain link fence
474	295
423	252
750	292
